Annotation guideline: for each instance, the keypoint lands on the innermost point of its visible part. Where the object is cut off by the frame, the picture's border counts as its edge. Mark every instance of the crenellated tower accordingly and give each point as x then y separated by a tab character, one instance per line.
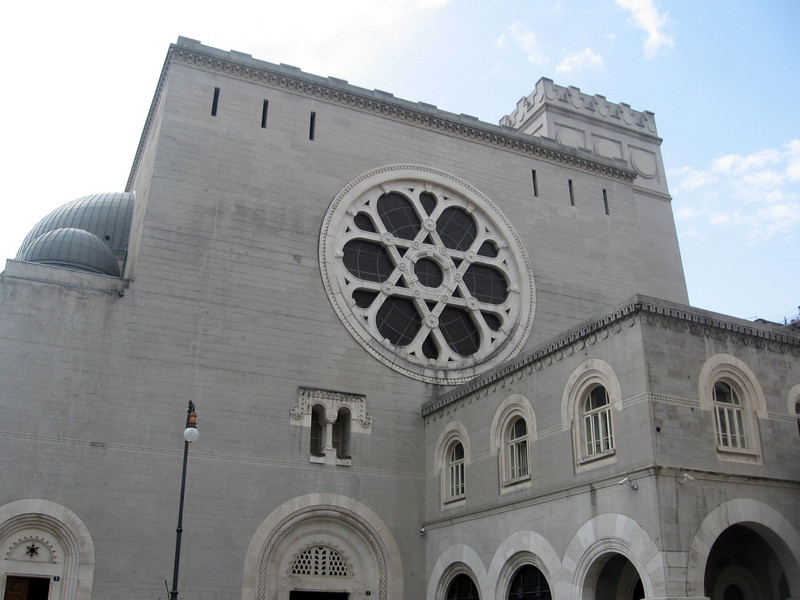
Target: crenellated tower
578	120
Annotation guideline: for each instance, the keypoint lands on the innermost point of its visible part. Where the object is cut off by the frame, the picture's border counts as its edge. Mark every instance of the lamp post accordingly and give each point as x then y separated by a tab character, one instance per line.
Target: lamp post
189	435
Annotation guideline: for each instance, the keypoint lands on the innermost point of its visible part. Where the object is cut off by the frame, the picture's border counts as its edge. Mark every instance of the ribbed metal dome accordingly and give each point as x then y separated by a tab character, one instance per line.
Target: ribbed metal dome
105	219
72	248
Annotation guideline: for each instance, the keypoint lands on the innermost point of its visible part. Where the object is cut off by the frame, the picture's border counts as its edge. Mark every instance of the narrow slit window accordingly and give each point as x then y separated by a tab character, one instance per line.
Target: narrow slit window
264	109
311	123
571	193
605	201
535	184
215	102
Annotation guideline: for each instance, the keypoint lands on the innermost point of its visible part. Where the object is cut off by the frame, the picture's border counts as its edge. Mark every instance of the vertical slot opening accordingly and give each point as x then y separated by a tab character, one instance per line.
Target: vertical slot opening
571	193
215	102
311	123
605	201
535	184
264	109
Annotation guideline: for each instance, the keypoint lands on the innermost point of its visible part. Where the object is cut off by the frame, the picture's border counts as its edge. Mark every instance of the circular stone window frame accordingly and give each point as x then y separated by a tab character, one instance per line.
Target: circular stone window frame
493	226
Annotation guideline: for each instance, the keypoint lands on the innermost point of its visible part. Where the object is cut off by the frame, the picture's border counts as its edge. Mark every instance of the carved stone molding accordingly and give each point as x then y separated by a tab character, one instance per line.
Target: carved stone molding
651	311
332	401
324	513
425	116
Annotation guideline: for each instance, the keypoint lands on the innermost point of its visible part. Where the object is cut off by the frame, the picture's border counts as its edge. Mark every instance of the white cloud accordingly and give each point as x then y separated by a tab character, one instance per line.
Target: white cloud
793	161
686	179
734	163
580	60
526	40
753	196
646	17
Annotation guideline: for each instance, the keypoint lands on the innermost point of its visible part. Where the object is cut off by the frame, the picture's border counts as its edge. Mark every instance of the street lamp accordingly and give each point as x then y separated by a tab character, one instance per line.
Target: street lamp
189	435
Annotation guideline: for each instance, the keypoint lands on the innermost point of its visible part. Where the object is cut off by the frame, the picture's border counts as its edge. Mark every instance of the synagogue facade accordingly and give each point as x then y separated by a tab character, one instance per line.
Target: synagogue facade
431	358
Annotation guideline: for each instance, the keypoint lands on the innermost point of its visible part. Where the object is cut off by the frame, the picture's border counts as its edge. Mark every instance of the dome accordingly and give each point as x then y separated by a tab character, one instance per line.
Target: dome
87	234
72	248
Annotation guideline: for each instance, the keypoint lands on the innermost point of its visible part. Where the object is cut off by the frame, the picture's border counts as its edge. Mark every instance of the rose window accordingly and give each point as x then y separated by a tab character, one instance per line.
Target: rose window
426	273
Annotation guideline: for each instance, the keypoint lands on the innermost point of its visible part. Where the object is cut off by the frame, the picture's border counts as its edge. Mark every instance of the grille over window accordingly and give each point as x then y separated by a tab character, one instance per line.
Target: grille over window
320	560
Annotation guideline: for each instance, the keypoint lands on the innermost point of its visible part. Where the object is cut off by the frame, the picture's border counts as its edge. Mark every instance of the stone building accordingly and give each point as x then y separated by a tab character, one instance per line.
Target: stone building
432	358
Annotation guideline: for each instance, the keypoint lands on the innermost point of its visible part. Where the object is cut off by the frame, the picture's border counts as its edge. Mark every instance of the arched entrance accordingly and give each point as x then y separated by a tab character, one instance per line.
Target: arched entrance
743	566
322	547
613	577
49	554
744	522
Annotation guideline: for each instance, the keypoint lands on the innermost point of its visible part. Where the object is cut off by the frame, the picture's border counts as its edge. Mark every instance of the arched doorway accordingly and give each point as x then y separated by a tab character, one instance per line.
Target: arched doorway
612	576
743	566
48	552
322	547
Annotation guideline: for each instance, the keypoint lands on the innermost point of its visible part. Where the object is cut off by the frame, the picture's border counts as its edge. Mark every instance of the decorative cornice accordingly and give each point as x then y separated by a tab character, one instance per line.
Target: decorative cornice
338	92
643	309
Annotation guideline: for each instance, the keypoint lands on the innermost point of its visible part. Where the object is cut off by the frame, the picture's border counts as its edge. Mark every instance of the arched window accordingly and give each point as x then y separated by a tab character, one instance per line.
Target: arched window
517	444
462	588
529	584
730	391
317	428
455	472
797	412
728	417
597	429
341	433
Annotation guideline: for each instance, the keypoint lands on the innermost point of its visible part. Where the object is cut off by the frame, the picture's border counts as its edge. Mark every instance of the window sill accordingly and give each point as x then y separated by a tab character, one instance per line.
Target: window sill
454	502
587	463
597	457
515	485
744	455
324	460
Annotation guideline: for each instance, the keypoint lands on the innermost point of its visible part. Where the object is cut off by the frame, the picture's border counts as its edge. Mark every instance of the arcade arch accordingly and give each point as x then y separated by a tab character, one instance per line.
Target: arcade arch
322	542
744	549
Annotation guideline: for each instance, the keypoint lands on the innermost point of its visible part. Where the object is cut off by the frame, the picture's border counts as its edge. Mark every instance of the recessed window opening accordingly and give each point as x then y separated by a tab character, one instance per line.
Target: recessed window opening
605	201
518	450
597	422
311	123
535	184
317	428
341	433
529	583
215	102
571	193
797	412
455	465
264	108
729	417
462	588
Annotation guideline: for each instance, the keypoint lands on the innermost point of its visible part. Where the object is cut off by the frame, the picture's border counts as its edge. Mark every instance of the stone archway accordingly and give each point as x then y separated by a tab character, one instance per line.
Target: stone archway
322	542
758	523
610	547
44	540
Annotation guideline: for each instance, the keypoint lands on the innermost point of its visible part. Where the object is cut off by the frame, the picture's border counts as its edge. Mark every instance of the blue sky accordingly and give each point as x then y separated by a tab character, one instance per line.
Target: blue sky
723	79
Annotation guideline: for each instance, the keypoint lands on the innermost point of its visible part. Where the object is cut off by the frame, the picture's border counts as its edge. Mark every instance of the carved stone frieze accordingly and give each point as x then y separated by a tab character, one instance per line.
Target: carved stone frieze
421	117
308	397
655	313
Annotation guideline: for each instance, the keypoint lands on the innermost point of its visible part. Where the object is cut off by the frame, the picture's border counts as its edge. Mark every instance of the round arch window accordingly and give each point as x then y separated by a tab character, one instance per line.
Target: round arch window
426	273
